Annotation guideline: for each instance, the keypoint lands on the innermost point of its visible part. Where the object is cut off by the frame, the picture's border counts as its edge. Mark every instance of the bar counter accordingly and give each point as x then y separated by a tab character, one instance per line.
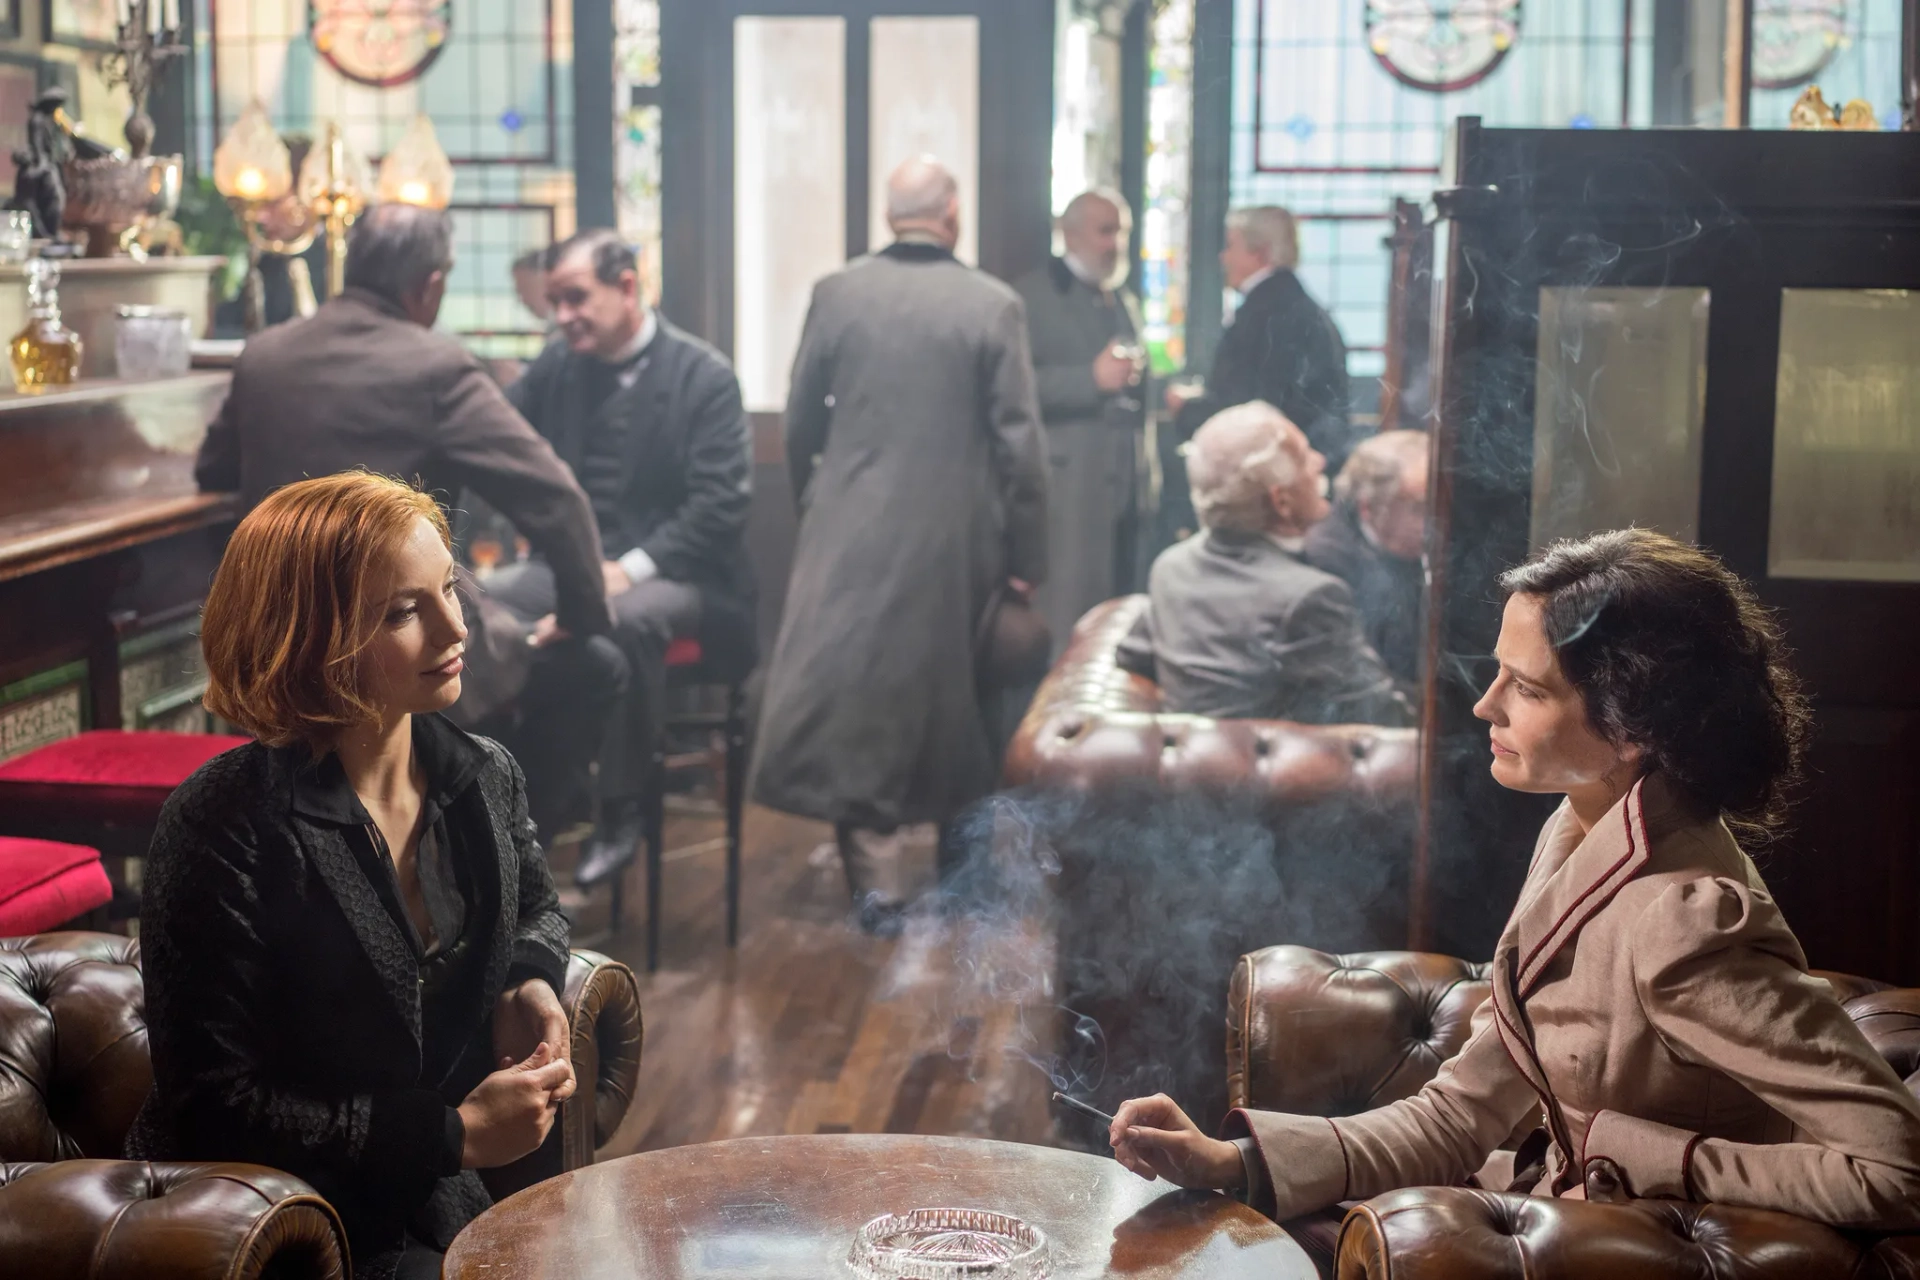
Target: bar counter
106	548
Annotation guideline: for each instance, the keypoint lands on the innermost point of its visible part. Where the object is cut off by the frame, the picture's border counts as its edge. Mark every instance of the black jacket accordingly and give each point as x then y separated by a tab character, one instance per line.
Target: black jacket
283	992
1282	347
689	463
1386	589
360	385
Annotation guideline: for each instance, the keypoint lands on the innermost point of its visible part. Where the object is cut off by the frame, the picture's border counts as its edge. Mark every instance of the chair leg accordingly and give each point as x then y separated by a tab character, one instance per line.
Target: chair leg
736	797
656	839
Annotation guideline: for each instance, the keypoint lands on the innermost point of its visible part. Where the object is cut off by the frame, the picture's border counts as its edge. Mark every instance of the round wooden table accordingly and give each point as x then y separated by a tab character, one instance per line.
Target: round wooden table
790	1207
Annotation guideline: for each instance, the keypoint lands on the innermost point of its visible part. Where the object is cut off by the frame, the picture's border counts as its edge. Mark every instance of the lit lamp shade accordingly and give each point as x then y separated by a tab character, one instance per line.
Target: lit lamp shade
251	162
417	171
323	173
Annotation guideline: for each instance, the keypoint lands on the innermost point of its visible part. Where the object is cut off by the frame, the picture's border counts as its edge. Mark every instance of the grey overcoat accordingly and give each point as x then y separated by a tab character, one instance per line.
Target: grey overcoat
1093	438
913	443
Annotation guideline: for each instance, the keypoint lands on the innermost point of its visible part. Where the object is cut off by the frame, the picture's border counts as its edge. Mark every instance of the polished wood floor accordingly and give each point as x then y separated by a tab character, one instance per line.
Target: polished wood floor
811	1026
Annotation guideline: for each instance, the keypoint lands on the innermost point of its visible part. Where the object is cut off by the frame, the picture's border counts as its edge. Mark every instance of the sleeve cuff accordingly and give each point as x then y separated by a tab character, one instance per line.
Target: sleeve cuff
638	566
455	1148
1302	1158
531	960
407	1131
1652	1157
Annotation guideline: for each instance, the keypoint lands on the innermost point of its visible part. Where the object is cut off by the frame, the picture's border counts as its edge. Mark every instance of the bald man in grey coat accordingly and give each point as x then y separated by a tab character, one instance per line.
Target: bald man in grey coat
913	443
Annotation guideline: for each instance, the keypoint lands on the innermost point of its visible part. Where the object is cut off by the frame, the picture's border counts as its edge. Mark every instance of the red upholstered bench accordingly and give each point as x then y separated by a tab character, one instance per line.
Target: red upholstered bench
104	787
45	884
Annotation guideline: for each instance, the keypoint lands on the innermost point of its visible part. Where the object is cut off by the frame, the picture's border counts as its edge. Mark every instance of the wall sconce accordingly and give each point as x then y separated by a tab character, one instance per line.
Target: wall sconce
417	171
253	169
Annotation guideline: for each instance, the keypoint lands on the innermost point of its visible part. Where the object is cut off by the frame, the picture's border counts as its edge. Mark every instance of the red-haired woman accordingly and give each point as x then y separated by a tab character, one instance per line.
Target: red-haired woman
351	943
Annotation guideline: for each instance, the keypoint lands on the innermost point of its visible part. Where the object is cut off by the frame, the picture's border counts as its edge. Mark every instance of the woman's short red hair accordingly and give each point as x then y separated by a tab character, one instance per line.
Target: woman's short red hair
285	620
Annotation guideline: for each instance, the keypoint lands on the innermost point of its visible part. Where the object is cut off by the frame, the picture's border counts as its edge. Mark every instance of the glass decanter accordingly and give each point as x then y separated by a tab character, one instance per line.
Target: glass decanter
46	353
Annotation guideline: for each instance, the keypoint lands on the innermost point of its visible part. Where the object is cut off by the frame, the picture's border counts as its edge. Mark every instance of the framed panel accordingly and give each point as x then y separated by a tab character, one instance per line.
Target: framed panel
43	708
789	188
924	96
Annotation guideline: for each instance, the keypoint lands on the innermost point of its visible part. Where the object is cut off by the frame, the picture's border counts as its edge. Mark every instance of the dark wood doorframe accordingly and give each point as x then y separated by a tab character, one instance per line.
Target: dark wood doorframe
1016	123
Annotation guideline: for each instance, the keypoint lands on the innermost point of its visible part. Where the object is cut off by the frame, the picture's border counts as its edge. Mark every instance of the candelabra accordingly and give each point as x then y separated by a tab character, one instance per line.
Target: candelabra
253	169
148	38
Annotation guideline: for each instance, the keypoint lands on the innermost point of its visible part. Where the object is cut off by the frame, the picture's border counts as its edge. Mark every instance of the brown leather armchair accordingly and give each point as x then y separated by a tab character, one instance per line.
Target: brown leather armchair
74	1071
1383	1022
1207	835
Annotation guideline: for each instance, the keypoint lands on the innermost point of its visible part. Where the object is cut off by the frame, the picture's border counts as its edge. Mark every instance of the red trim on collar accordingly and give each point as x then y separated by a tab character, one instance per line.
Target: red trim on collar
1629	818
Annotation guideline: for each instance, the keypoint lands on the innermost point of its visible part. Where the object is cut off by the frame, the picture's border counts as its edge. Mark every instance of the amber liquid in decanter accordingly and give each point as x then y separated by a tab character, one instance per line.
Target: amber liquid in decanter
46	353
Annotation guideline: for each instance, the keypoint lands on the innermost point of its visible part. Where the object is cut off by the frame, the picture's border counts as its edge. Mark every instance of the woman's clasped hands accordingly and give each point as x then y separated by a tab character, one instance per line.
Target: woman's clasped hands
508	1114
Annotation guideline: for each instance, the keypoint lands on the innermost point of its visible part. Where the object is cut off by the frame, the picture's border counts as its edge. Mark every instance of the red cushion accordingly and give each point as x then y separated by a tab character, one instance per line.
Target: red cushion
110	776
44	883
684	652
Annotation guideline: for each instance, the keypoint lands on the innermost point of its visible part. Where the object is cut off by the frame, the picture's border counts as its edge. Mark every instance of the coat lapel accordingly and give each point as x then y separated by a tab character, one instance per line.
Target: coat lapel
1613	852
380	937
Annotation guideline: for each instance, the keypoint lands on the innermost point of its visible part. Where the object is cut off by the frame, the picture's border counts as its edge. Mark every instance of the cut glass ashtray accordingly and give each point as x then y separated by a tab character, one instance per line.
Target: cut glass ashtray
949	1244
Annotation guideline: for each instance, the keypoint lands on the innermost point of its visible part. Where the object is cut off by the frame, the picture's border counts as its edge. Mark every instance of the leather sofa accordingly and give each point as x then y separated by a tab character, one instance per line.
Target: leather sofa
1383	1023
1208	836
74	1072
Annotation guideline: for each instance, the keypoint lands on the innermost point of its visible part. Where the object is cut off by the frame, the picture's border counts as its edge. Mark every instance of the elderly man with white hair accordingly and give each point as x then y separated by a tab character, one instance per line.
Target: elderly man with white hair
913	443
1237	623
1085	328
1282	346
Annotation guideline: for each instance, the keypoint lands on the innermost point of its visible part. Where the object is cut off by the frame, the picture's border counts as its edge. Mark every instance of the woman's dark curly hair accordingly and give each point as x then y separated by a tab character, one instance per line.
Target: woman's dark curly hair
1671	652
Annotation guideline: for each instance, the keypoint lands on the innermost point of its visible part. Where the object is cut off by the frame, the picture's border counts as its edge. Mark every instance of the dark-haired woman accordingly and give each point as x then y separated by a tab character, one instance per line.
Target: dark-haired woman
1648	997
353	950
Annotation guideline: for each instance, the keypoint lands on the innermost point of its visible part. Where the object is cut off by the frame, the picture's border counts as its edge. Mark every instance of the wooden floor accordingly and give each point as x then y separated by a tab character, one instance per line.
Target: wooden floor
811	1026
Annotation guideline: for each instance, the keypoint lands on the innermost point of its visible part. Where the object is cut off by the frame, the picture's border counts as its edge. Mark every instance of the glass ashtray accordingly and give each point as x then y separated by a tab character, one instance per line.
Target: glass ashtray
949	1244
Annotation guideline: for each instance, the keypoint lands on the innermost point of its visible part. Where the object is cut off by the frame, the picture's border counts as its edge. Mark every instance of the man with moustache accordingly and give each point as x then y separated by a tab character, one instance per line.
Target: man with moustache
1238	625
650	420
1084	328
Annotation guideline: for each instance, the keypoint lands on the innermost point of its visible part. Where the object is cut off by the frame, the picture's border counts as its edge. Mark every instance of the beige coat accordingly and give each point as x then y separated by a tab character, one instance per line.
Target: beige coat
1650	999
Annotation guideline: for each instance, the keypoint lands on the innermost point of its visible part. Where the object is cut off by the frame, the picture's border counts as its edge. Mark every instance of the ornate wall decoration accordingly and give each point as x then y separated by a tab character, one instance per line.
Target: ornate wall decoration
379	42
1794	40
1441	45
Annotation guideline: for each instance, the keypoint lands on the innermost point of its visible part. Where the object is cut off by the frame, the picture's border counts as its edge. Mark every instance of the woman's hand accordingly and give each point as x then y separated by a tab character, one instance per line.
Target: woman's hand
1154	1138
525	1016
508	1114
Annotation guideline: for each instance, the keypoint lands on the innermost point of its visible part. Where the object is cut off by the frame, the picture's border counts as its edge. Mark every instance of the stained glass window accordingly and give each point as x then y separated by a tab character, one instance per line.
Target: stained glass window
1163	234
500	102
1325	126
1850	48
636	130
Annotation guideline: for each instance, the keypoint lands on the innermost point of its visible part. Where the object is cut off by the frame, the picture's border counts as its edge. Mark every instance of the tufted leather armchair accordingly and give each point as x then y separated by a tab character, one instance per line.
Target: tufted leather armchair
74	1072
1230	831
1334	1035
1093	725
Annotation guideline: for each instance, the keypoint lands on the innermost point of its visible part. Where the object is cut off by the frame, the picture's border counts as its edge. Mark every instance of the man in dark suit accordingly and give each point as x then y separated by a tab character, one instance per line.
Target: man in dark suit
1282	346
366	382
1374	539
1238	625
650	420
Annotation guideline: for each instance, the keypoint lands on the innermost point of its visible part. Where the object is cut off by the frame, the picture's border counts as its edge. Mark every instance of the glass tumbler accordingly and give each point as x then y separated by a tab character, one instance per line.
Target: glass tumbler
152	342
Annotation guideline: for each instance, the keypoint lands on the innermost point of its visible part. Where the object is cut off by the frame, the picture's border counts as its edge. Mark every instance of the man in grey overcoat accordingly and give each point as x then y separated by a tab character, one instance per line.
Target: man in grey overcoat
1082	323
913	442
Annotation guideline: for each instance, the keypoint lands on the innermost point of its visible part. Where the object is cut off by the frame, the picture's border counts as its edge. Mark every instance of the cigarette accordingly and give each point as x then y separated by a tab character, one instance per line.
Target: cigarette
1084	1108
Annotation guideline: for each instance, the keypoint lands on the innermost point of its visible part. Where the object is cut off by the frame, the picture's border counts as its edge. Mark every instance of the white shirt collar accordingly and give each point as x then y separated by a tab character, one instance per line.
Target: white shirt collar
1255	280
1082	272
642	339
1292	546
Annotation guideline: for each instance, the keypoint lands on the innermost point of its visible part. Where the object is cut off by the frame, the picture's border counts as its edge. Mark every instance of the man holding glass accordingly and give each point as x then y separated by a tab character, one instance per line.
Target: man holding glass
1084	327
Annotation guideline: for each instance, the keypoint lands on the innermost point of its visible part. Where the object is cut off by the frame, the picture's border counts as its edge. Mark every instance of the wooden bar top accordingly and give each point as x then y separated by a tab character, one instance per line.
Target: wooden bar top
103	465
